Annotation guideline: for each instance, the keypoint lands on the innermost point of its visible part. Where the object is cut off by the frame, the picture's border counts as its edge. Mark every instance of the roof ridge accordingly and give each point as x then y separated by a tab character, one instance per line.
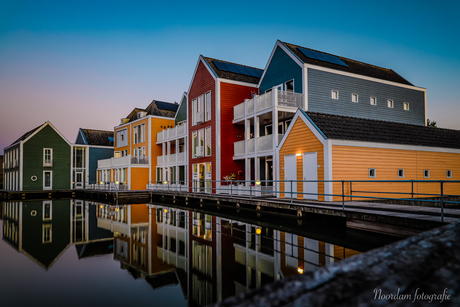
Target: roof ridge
212	59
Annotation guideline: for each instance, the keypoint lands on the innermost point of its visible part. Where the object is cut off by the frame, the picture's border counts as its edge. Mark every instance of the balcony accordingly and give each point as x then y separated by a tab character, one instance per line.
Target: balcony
171	159
267	101
140	160
264	144
171	133
121	162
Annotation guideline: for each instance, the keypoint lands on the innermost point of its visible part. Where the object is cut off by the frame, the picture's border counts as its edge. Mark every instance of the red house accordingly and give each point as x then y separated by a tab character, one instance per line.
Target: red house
216	87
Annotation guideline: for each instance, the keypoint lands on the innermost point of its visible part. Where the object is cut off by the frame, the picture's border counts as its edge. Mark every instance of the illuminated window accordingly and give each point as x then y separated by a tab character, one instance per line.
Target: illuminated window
406	106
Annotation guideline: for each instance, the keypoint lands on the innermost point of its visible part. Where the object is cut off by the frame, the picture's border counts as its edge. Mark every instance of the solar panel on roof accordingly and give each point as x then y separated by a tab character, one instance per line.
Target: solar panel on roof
315	55
239	69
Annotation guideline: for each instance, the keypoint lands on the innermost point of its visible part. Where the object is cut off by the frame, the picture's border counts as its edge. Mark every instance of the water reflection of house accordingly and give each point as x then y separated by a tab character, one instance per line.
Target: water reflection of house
39	229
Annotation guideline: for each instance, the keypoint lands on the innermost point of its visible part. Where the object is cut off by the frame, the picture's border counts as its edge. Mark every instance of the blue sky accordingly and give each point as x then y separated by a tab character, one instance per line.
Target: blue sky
89	63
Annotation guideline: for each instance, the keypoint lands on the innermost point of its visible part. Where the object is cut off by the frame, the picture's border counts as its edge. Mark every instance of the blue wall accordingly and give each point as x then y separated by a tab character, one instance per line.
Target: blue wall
282	68
95	154
321	83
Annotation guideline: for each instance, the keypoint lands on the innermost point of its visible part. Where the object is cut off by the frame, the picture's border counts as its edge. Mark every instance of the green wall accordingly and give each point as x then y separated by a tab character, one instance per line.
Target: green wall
33	160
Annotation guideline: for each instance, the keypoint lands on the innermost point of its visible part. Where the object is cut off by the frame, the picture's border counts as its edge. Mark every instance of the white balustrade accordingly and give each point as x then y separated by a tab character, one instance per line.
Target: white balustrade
181	130
251	146
159	160
265	143
238	148
264	101
250	106
106	163
121	161
181	157
172	158
238	111
290	99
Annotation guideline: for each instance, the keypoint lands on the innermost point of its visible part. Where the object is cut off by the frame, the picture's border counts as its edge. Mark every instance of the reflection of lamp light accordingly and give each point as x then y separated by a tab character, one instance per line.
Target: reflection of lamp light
300	270
257	182
117	182
116	209
298	155
101	182
100	206
258	231
166	210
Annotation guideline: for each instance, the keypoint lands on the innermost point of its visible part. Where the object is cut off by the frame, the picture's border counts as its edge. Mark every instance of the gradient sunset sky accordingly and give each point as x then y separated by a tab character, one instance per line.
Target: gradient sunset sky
89	63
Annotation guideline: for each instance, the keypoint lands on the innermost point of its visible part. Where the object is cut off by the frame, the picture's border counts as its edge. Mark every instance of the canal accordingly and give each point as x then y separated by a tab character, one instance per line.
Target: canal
76	252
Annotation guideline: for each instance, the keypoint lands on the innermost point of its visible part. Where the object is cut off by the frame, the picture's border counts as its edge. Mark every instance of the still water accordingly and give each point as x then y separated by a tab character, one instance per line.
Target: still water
75	252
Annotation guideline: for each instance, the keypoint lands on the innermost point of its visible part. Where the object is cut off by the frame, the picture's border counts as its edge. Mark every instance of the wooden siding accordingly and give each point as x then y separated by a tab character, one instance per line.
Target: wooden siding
33	160
321	83
302	140
353	163
139	178
182	111
282	68
231	95
201	84
157	125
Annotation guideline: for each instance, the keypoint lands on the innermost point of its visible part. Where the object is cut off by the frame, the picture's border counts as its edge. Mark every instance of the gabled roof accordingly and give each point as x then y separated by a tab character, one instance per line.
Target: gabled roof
231	75
369	130
157	108
354	67
32	132
97	137
26	135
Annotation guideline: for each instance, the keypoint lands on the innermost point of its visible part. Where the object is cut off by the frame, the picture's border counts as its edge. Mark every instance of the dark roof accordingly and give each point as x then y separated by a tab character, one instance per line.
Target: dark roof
94	249
166	106
156	107
98	137
354	67
26	135
231	75
369	130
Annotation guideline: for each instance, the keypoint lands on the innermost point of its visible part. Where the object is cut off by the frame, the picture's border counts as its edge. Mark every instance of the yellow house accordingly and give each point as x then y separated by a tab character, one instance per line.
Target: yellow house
318	148
135	154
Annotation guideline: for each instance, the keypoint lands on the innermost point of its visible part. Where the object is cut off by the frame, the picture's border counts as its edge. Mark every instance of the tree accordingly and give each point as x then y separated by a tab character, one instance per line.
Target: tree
431	124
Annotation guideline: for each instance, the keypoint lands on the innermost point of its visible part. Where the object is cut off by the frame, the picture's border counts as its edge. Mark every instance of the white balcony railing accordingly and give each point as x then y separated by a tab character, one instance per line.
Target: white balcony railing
159	160
251	146
250	106
160	136
172	133
290	99
140	160
238	148
265	143
181	157
264	101
171	158
181	130
238	110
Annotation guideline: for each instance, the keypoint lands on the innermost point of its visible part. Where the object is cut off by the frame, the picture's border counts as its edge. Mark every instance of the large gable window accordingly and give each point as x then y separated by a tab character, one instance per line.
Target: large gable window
47	157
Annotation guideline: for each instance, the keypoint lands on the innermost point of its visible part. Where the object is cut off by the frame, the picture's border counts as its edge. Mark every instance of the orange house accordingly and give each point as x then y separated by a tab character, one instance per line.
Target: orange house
327	147
135	154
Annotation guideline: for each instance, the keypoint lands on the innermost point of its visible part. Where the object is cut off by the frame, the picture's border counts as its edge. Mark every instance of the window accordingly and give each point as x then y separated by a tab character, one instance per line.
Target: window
47	233
390	103
208	106
208	141
194	143
47	210
372	173
426	173
47	157
406	106
139	133
374	101
335	94
400	173
194	110
122	138
47	180
289	86
449	173
200	147
354	97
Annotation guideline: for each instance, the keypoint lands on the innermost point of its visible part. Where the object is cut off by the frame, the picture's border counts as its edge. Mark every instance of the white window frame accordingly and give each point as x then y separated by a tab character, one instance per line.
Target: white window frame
208	108
335	95
51	180
406	106
51	210
373	101
354	98
50	227
370	173
207	142
449	173
194	110
426	173
122	138
286	86
50	162
390	103
399	173
194	145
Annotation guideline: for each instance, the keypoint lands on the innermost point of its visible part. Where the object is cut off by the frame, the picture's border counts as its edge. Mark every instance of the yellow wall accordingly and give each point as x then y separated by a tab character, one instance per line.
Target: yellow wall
139	178
353	163
302	140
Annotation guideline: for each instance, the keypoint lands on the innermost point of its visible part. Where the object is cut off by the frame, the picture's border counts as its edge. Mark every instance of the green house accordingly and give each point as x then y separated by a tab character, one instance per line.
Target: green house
39	160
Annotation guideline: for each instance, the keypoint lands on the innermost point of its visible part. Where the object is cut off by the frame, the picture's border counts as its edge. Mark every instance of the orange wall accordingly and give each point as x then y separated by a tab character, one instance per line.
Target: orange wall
302	140
139	178
139	213
131	136
156	124
353	163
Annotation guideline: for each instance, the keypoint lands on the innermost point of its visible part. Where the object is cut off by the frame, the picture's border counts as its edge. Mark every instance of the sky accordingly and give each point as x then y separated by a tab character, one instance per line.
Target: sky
89	63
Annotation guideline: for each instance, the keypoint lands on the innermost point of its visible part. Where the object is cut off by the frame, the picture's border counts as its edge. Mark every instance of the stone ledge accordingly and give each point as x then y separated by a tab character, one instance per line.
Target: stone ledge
427	263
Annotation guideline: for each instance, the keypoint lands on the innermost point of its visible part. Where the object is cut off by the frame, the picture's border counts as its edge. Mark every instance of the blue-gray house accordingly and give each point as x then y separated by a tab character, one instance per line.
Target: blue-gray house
90	146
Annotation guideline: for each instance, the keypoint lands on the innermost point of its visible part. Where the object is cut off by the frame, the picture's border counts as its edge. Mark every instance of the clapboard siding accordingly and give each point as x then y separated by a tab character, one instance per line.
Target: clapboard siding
321	83
302	140
282	68
353	163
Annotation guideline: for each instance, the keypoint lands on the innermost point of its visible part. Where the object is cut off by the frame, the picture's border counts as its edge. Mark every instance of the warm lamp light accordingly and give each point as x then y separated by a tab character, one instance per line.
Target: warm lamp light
117	182
257	182
116	209
166	210
165	182
101	182
258	231
298	155
100	206
300	270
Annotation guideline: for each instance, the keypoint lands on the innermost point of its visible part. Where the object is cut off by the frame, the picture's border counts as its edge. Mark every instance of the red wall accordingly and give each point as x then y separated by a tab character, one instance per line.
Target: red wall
231	95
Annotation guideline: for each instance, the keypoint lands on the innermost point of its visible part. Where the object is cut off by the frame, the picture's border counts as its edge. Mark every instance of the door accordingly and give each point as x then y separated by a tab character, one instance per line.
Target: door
47	180
310	172
208	178
78	180
290	173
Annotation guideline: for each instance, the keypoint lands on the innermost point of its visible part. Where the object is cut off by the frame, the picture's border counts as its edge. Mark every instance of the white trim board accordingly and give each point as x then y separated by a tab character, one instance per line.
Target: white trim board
393	146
